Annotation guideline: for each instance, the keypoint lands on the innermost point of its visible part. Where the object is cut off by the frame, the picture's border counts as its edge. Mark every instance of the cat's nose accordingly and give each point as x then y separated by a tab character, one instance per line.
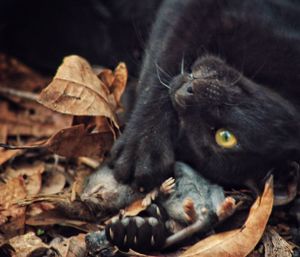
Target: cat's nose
190	89
185	90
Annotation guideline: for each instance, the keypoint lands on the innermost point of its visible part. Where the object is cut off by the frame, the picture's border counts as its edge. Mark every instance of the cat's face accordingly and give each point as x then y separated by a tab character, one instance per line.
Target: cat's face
236	129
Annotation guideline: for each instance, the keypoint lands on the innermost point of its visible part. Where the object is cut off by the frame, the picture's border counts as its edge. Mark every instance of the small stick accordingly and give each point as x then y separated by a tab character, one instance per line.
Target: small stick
13	147
19	93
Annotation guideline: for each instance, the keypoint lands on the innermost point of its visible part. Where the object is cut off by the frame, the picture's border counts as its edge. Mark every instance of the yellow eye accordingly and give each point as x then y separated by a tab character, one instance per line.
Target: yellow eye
225	138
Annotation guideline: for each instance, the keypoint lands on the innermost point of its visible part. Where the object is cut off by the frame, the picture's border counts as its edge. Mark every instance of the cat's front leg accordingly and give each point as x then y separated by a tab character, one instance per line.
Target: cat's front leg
144	154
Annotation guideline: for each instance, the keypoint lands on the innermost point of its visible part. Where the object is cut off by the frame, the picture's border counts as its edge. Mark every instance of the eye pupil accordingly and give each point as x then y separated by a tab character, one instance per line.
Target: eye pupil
225	135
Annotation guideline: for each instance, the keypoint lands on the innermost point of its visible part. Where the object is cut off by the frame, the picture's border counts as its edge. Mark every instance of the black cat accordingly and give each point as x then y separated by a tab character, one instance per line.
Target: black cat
231	129
232	120
258	38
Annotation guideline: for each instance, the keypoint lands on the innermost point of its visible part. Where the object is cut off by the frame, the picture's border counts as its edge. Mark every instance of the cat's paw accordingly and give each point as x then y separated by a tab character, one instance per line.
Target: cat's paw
146	159
137	233
144	233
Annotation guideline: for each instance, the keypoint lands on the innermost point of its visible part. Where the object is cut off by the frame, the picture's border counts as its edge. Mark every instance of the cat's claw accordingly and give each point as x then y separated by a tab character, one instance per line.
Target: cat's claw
137	233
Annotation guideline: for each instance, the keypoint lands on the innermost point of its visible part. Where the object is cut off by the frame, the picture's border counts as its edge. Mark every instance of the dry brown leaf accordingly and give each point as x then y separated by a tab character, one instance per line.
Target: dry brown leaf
115	81
12	217
54	183
275	245
76	90
77	246
14	74
32	119
35	209
6	155
46	199
62	245
26	244
97	123
119	83
31	174
102	124
135	208
107	77
71	247
77	141
238	242
13	190
3	133
56	216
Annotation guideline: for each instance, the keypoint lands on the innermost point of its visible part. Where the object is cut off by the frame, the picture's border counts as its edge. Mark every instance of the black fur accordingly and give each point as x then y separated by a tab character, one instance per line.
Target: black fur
258	38
254	94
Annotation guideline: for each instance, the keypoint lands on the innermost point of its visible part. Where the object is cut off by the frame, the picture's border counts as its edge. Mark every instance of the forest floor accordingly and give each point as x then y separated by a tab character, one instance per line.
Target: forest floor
61	129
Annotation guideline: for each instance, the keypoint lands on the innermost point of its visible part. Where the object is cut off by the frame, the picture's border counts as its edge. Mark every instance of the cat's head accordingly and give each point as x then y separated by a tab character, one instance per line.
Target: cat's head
235	128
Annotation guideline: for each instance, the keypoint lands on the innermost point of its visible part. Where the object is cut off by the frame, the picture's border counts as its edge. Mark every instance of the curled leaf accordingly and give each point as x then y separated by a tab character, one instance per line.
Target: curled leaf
77	141
74	141
120	79
76	90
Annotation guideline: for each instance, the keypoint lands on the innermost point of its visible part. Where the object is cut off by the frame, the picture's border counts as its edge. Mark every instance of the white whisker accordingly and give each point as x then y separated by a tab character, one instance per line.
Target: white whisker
163	71
182	65
159	78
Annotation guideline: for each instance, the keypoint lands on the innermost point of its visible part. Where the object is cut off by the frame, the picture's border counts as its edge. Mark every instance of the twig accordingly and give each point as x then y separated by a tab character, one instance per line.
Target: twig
13	147
19	93
89	162
43	198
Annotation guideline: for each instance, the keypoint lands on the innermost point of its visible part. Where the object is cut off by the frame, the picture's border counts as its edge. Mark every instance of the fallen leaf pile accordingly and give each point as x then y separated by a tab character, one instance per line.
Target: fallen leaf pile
62	135
89	102
55	136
